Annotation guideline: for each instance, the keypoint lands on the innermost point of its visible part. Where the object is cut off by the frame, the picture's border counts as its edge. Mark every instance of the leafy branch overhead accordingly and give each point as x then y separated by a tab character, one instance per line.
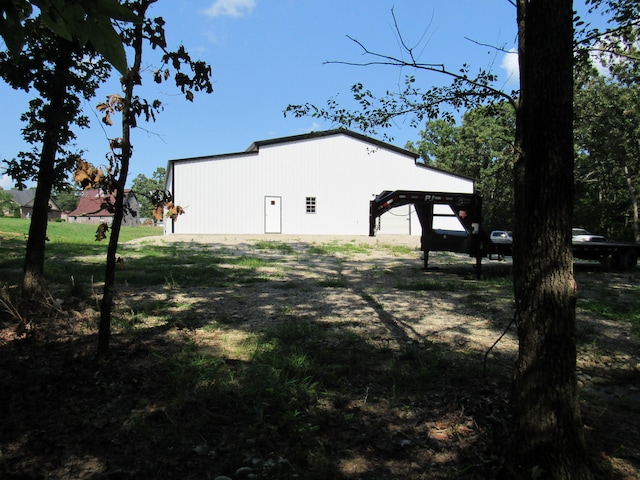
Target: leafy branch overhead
199	78
90	22
465	91
188	75
381	111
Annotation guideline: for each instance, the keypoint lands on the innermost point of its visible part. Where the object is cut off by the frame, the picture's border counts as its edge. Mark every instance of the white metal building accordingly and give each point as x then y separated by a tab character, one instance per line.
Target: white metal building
317	183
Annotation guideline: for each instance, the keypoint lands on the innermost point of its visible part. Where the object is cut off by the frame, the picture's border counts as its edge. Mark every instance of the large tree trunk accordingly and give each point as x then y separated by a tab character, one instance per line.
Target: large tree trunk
547	432
36	242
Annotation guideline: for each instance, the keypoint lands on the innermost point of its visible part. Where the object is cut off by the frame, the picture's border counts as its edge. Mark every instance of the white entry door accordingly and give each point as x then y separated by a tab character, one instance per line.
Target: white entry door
272	215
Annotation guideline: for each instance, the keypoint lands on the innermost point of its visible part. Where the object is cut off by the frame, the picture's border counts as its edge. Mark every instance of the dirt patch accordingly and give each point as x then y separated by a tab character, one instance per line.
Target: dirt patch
395	372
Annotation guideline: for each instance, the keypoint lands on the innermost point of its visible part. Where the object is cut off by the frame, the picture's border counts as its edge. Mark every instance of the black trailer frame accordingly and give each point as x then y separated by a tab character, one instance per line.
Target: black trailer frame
467	208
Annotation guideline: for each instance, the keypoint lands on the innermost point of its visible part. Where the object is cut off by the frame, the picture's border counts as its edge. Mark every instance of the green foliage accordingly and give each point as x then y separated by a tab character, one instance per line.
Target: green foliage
7	204
144	189
52	115
67	200
607	167
466	91
610	305
480	148
189	76
607	164
85	21
336	281
274	246
399	249
335	246
618	40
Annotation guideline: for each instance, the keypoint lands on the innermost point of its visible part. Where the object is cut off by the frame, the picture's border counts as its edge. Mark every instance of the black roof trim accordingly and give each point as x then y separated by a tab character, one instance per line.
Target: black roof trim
327	133
442	170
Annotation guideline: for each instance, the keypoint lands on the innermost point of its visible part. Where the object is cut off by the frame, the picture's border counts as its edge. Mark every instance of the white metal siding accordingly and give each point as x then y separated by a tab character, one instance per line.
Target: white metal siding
225	195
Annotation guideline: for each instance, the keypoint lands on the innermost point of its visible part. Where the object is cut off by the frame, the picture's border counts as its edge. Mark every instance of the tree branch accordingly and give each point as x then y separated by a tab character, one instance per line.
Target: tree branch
389	60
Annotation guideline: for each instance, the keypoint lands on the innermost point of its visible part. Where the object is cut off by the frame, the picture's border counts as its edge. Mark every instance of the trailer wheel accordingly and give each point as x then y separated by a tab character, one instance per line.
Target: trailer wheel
613	262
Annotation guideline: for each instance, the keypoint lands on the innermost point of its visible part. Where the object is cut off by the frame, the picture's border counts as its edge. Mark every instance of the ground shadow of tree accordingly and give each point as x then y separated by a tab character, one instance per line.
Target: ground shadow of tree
325	382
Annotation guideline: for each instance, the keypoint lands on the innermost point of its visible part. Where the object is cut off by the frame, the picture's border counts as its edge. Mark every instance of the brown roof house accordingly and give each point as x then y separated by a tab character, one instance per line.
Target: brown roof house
24	200
91	209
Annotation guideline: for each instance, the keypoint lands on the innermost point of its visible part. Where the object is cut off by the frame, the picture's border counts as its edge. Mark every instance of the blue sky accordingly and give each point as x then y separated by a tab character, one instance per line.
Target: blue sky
267	54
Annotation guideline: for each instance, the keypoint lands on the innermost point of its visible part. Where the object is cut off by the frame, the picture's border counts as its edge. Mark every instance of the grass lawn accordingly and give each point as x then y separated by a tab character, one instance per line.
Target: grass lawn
72	248
70	233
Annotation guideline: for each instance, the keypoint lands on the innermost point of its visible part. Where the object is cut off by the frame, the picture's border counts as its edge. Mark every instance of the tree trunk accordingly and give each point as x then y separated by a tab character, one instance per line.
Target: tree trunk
631	186
36	242
130	81
547	432
104	328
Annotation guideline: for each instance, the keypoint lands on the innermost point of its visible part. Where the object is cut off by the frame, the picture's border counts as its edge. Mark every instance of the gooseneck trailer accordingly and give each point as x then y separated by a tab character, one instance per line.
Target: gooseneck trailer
452	222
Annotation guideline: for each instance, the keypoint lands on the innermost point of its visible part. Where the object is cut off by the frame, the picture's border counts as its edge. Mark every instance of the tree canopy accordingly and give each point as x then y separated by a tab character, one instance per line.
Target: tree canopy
69	73
91	22
480	148
608	156
84	70
145	189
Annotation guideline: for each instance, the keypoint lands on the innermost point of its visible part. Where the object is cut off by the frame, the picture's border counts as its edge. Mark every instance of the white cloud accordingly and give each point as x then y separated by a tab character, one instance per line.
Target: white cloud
212	37
230	8
510	65
6	182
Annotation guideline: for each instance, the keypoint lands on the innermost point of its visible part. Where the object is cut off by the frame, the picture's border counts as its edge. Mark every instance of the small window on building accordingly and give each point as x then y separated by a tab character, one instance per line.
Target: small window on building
311	204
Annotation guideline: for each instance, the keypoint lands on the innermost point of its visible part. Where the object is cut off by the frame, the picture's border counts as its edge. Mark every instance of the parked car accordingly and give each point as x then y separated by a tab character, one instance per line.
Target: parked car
501	236
581	235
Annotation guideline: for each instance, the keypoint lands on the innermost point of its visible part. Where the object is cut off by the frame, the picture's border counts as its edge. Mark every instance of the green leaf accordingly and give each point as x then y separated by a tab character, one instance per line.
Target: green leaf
12	13
105	40
113	9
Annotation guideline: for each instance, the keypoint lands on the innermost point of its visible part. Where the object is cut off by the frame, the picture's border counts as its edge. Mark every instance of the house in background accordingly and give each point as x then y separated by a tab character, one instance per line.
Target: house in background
91	209
24	201
317	183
